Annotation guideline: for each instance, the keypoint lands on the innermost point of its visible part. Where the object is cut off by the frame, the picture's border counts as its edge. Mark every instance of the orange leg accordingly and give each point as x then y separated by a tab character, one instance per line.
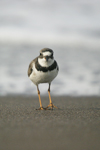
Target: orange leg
41	107
51	105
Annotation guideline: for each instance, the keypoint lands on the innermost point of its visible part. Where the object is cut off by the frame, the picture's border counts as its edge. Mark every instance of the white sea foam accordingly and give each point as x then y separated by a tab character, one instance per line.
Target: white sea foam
70	28
79	72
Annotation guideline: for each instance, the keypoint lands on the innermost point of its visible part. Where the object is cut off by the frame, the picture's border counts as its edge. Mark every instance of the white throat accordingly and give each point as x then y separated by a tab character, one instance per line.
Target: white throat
44	63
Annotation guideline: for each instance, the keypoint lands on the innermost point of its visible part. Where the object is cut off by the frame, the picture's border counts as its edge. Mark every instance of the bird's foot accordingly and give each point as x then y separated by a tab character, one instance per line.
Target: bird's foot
41	108
51	105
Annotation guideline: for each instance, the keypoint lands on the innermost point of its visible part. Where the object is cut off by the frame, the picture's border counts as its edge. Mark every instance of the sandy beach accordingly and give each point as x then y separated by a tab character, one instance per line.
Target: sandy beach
74	126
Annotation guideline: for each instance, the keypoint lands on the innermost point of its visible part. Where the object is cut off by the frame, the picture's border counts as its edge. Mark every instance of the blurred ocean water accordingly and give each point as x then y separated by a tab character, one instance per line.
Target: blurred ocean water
70	28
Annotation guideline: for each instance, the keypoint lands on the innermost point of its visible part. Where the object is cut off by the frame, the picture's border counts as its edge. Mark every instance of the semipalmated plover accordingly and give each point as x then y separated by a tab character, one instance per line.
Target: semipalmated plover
43	69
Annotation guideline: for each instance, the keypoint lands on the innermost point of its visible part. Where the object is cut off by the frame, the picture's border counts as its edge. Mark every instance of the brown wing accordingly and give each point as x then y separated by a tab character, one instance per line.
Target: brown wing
30	69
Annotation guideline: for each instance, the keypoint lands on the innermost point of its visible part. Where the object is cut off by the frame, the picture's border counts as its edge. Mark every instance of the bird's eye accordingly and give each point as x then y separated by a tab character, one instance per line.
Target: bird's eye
51	55
40	54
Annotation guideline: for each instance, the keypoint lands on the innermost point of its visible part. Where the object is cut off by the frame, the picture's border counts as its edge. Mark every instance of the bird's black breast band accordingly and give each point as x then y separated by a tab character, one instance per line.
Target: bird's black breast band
45	69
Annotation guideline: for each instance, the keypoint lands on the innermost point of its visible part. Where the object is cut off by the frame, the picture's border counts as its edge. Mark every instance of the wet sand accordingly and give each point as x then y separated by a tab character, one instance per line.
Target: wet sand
75	126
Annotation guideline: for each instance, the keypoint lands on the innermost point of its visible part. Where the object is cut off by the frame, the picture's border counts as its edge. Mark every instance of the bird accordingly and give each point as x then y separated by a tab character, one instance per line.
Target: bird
43	69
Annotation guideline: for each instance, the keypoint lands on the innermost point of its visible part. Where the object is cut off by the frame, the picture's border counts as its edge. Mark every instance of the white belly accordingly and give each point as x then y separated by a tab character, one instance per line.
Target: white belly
38	77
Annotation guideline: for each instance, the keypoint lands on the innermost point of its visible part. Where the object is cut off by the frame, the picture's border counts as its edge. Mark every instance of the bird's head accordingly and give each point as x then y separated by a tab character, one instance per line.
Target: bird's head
45	58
